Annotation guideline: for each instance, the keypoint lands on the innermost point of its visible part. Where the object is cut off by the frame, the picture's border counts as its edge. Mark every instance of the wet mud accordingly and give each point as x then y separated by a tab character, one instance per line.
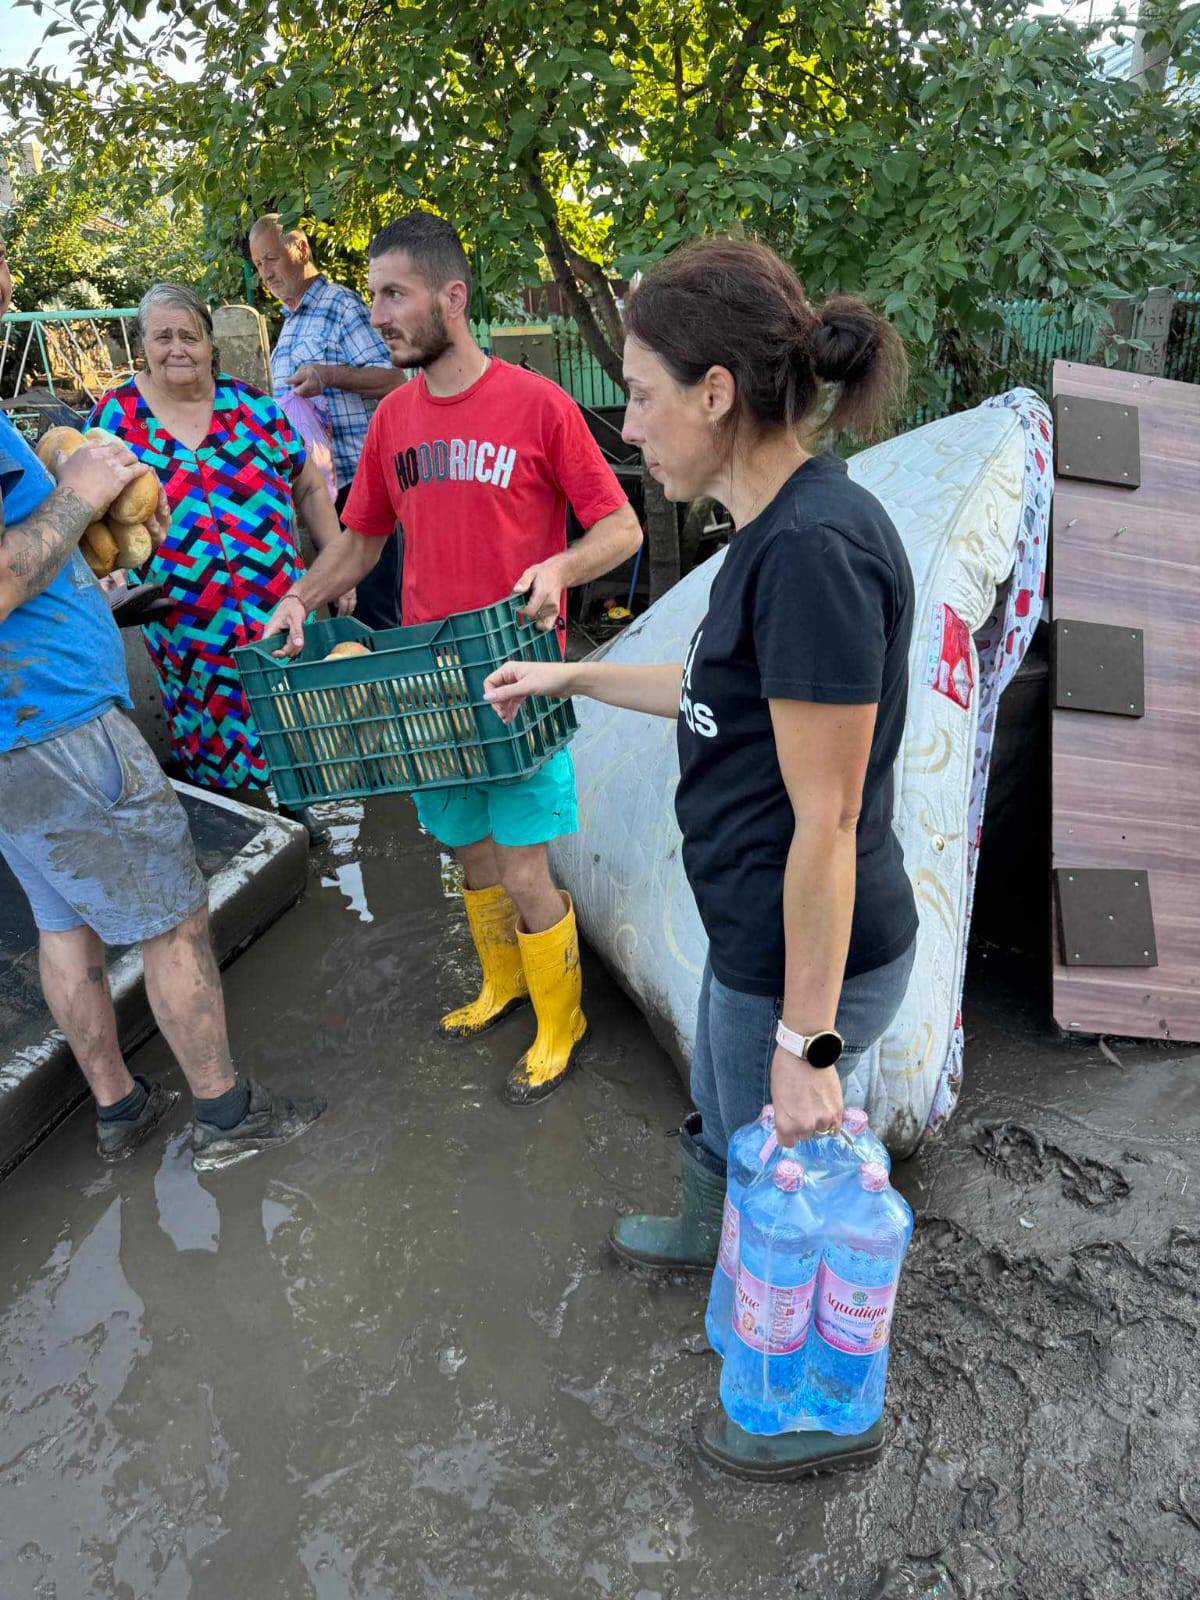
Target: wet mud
396	1360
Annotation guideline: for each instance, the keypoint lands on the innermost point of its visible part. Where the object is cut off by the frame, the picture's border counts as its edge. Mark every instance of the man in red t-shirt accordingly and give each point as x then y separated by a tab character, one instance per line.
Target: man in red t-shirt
478	460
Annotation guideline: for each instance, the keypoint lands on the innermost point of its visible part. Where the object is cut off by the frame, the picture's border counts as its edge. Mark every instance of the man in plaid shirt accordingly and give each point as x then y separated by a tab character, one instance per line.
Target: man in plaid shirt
328	349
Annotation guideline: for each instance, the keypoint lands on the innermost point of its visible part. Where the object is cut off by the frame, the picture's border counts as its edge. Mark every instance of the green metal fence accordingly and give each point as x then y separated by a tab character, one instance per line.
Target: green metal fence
578	370
580	374
1036	333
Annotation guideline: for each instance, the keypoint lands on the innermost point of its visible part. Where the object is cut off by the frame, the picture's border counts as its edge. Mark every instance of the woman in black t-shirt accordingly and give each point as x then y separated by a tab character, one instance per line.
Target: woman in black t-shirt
790	707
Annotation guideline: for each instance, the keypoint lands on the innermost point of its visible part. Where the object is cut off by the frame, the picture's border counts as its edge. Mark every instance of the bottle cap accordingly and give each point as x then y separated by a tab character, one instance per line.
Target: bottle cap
854	1121
788	1175
873	1175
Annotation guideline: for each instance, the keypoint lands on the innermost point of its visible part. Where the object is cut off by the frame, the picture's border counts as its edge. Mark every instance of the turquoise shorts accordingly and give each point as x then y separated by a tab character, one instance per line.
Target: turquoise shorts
530	810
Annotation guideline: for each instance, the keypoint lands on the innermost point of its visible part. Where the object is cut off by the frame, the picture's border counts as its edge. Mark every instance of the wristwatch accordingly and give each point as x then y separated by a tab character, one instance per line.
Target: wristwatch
818	1049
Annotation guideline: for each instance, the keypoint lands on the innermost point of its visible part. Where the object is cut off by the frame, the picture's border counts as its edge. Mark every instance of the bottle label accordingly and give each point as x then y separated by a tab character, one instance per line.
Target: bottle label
855	1318
769	1317
728	1254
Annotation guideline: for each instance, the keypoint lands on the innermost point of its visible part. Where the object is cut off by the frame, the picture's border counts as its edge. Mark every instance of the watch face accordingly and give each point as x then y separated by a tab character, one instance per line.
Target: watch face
824	1049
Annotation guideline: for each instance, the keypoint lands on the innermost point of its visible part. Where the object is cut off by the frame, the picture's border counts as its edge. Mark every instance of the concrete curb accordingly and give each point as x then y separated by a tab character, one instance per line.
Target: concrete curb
40	1084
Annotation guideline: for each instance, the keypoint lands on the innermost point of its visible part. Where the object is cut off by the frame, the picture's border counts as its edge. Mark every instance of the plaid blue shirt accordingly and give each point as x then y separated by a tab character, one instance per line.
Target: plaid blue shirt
332	325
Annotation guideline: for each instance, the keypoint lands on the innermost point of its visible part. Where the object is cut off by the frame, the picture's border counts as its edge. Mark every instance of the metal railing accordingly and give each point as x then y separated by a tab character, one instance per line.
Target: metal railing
67	348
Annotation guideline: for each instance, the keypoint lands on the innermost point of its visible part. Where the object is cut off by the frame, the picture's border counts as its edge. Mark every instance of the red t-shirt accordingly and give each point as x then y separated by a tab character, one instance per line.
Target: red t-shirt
480	481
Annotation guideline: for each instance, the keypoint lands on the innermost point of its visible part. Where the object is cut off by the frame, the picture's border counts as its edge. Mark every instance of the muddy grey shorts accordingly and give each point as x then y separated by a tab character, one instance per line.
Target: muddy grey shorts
96	835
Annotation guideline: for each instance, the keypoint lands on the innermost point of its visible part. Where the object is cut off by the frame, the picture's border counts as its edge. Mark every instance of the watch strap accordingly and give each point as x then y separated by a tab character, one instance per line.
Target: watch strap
798	1043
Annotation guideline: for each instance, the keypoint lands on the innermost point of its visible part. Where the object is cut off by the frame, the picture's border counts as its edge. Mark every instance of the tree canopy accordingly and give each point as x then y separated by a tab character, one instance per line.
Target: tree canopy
934	157
78	241
931	156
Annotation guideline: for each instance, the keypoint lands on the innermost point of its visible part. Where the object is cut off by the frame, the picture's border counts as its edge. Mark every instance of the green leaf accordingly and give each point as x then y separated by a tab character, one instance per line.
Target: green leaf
1008	212
524	128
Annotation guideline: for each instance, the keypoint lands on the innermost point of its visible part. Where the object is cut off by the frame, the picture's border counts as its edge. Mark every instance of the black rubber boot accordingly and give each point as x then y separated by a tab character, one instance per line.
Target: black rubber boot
687	1242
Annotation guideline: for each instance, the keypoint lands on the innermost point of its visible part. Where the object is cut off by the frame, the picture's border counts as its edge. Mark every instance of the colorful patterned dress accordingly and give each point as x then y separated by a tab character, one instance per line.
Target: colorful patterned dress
229	557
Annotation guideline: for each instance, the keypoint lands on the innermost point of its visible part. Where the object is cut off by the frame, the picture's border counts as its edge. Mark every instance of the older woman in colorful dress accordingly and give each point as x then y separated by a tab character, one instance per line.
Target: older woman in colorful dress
236	476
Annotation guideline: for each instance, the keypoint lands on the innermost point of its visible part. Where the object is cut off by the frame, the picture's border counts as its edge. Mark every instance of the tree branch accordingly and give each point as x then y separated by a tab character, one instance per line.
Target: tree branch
604	302
577	302
731	85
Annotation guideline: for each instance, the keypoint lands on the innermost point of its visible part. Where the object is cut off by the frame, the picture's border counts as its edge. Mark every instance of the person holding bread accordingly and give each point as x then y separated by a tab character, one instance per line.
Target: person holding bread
235	474
89	825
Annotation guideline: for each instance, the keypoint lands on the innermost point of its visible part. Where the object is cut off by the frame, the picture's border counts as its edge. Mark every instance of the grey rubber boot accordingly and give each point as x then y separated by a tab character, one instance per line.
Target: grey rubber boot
687	1242
780	1457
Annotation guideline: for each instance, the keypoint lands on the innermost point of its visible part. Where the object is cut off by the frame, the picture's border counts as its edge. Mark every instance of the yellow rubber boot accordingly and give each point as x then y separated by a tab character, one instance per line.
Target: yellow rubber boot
492	918
555	982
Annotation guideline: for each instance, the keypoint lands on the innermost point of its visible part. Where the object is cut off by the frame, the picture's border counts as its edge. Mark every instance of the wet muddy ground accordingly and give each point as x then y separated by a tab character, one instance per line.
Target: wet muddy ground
395	1359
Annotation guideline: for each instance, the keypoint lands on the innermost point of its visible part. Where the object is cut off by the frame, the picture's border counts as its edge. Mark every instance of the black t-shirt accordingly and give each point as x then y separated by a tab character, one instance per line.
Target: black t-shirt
814	601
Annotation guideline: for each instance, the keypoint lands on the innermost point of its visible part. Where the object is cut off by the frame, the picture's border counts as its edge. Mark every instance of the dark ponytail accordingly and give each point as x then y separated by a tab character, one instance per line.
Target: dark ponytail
862	353
733	303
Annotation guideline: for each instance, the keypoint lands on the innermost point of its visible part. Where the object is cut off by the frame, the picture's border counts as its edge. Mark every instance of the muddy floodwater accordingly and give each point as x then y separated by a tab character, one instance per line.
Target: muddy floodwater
396	1360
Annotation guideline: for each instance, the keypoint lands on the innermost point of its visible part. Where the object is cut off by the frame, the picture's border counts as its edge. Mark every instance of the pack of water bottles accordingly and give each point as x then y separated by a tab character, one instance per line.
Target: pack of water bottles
805	1284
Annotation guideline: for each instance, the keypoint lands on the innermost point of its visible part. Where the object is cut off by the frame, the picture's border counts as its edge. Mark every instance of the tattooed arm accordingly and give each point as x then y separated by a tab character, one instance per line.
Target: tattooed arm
34	550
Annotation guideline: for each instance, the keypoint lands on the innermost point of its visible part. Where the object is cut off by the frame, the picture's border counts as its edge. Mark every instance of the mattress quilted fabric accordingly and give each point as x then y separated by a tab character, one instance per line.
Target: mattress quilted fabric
970	497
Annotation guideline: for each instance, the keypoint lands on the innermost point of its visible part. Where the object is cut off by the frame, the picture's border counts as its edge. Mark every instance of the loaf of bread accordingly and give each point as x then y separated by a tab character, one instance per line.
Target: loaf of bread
137	500
99	549
123	524
56	443
133	542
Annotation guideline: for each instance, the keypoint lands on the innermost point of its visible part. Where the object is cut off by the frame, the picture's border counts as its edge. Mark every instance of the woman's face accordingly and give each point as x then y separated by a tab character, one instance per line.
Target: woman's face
178	351
675	427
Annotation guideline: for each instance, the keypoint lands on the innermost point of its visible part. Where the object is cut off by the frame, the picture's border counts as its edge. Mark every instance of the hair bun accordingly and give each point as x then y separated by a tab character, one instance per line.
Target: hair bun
845	339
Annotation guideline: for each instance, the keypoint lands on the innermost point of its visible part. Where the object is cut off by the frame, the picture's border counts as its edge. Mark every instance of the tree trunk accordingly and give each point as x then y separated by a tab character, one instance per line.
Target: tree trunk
556	254
662	535
603	300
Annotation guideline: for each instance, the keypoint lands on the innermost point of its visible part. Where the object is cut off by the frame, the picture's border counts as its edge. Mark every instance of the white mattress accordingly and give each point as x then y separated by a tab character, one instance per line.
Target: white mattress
969	495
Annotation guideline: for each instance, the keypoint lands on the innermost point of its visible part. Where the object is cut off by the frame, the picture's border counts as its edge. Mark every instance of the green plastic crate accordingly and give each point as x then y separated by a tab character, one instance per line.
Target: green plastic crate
409	716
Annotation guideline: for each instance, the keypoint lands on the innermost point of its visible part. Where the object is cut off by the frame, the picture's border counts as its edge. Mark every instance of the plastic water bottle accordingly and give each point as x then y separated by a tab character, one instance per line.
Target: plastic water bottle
832	1157
751	1151
763	1387
866	1236
866	1147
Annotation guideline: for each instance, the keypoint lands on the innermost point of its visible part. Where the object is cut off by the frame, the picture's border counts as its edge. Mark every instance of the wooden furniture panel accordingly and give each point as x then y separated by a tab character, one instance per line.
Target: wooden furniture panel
1125	792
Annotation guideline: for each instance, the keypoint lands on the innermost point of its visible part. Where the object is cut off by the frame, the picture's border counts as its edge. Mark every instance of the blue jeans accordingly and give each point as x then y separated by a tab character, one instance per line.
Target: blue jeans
735	1043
